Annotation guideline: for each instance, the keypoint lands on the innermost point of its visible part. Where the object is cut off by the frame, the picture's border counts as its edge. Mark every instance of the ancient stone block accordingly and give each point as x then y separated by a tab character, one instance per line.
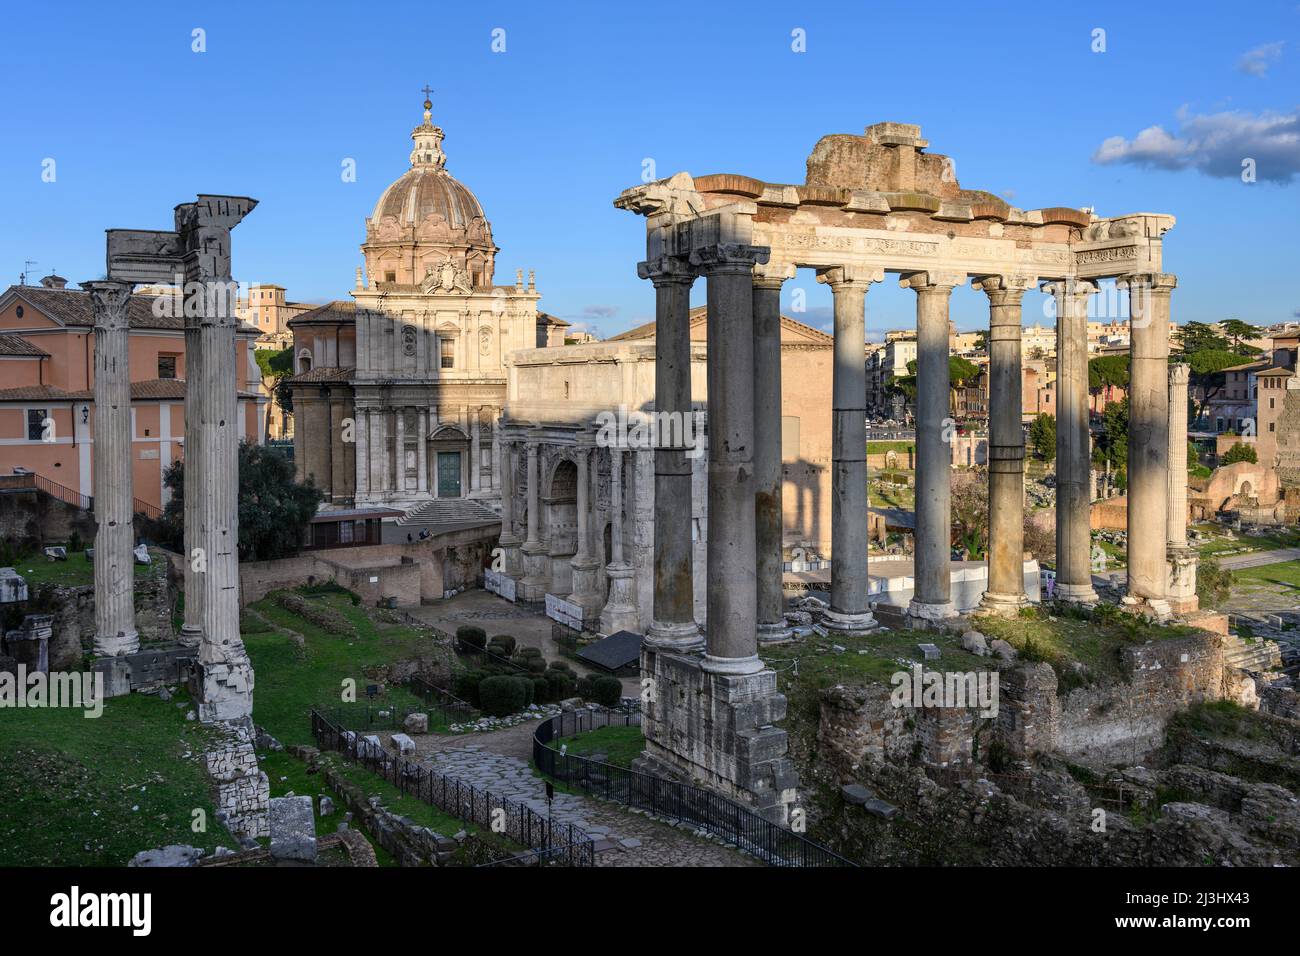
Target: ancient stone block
293	829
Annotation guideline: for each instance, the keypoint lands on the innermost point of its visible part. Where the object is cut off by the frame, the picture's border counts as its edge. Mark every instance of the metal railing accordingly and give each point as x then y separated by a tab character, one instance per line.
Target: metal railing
712	812
437	700
561	844
63	493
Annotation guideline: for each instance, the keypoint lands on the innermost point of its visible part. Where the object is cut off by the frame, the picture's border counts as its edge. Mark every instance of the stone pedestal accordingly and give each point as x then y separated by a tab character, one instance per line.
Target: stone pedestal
1181	593
619	613
718	729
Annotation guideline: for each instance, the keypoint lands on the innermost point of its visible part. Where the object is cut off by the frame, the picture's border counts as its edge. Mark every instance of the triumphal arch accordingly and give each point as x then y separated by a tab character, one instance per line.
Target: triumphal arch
872	205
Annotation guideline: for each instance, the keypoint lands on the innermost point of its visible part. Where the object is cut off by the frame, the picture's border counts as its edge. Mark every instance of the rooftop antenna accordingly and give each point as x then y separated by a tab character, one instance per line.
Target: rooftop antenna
27	268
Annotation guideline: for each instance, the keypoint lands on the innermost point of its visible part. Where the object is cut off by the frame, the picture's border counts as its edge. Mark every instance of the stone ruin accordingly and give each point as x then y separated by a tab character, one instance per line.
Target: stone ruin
872	205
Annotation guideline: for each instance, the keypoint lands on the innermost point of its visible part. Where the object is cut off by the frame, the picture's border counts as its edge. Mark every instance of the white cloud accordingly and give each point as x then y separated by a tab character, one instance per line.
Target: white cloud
604	311
1257	61
1215	144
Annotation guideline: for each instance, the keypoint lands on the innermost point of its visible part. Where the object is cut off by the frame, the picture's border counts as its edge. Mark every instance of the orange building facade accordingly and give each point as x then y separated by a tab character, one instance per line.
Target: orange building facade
47	381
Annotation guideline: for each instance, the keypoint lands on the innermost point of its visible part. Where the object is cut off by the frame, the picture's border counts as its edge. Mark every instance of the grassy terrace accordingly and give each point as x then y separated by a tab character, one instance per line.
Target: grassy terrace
77	791
866	659
620	745
1282	538
300	665
37	569
1286	574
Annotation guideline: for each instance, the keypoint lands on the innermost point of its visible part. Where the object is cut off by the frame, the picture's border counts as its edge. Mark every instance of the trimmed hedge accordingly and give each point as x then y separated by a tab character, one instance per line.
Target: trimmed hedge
471	636
603	689
502	696
502	644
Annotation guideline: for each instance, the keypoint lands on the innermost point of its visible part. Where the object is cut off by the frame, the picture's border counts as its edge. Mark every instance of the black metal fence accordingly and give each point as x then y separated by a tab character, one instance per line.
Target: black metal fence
556	844
440	702
724	818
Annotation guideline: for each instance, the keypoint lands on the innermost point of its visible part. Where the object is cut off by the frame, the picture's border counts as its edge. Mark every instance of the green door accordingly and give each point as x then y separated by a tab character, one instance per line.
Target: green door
448	474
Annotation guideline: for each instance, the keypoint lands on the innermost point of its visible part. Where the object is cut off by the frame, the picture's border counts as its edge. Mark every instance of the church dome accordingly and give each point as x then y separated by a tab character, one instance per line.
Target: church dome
427	217
424	191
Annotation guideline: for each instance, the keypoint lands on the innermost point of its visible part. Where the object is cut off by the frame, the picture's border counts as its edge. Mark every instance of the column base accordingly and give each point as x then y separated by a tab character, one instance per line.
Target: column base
1180	584
840	621
1156	608
533	585
1075	593
732	665
775	632
921	614
619	614
1002	605
190	635
675	638
117	645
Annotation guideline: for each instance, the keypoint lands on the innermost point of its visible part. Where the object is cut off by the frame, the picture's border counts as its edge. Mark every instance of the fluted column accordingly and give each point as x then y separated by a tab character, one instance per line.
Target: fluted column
1073	452
1148	434
1181	558
1006	459
768	510
583	562
422	451
535	580
226	675
850	591
115	632
673	625
509	538
399	449
192	628
619	613
475	453
932	598
732	625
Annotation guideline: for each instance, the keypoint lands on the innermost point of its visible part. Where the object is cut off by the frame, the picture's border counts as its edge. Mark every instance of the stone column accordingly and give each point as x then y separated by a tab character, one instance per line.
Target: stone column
192	627
1182	559
361	462
225	674
673	624
850	610
1148	436
115	633
422	451
1073	444
399	450
475	454
932	599
732	625
768	511
509	539
583	562
619	613
533	584
1006	459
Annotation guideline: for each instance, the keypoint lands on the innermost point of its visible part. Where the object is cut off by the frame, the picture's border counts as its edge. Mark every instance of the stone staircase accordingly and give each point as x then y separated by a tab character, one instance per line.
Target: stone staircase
1255	655
448	514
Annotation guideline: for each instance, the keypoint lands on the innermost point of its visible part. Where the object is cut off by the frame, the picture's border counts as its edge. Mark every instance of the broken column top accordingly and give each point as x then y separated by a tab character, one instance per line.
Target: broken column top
895	134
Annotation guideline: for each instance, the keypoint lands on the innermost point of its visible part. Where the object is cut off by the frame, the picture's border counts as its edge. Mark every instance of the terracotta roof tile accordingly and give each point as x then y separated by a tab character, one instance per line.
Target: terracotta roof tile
17	345
323	374
72	307
149	390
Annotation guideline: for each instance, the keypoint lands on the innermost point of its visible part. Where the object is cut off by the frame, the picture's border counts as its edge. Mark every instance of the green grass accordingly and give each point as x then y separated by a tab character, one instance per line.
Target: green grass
867	658
1285	573
1256	542
883	447
77	791
37	569
621	745
292	679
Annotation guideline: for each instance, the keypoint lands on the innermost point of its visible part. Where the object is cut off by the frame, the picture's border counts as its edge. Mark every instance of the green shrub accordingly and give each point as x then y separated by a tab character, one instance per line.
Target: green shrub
560	684
541	690
563	666
471	636
505	642
586	688
502	696
535	665
465	685
607	690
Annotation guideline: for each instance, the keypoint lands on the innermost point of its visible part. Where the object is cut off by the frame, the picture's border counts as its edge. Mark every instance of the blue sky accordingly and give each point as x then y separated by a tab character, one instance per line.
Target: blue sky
548	132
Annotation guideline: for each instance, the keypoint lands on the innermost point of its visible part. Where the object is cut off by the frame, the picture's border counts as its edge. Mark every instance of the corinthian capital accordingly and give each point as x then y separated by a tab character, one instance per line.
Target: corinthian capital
109	299
666	269
729	257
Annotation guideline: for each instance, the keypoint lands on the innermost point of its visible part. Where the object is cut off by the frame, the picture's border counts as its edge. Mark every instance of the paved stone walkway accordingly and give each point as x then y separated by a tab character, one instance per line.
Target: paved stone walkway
1259	558
498	761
